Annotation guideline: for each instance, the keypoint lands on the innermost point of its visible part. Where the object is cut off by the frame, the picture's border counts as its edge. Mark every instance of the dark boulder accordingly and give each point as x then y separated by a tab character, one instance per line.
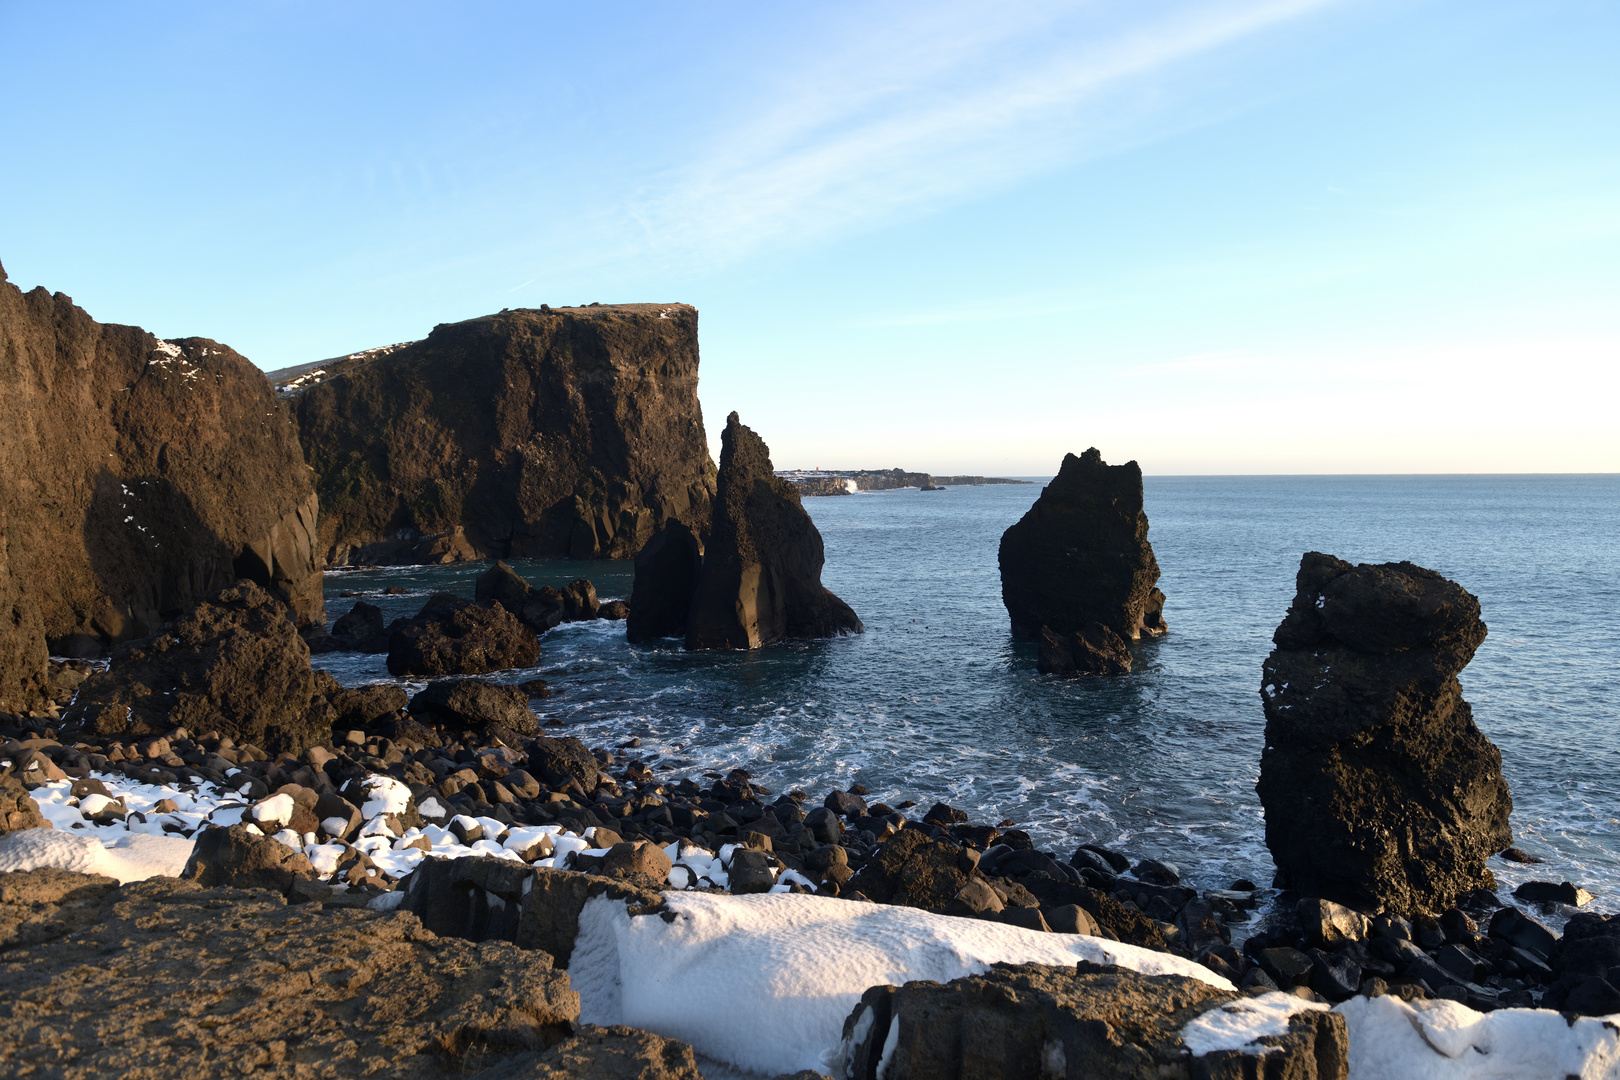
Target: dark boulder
1081	555
912	870
540	609
579	601
360	629
450	636
666	578
245	859
477	705
614	611
233	664
141	475
1095	650
761	576
18	810
1378	788
1091	1020
365	706
559	762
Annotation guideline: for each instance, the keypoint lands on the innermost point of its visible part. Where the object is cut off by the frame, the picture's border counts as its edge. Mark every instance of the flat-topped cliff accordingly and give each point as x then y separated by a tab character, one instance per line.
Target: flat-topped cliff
534	433
136	475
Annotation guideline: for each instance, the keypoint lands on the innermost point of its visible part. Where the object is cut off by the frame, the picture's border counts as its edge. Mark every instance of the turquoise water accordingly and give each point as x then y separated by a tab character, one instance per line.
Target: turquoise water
936	701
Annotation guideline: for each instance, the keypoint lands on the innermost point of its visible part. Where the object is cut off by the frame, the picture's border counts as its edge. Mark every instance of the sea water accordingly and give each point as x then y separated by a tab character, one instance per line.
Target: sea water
937	701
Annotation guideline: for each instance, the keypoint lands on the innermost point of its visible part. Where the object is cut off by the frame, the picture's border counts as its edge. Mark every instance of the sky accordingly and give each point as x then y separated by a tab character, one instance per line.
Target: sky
1213	236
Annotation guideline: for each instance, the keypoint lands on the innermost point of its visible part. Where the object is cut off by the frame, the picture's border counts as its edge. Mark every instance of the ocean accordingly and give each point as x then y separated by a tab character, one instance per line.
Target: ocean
936	701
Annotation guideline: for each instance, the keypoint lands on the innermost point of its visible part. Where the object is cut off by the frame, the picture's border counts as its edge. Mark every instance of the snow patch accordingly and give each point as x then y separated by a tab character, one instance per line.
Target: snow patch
1238	1025
136	858
1443	1040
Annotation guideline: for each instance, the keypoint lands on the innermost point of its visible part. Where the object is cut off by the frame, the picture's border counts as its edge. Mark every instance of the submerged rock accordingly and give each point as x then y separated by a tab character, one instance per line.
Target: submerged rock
1081	555
233	664
451	636
760	580
1378	788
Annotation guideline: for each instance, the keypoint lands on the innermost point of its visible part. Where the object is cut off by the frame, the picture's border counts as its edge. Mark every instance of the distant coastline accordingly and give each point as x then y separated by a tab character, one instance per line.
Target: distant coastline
850	481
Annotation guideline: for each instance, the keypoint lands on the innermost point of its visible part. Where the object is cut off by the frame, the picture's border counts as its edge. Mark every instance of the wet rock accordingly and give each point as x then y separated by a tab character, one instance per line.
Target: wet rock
614	611
666	579
1091	1020
233	664
1328	925
354	986
603	1053
760	580
580	603
559	762
360	629
1155	872
142	475
1544	892
1091	650
18	810
450	636
238	857
1377	786
912	870
477	705
1081	555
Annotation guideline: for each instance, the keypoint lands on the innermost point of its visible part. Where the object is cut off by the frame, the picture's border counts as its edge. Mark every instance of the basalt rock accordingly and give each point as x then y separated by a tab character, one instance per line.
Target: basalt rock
1378	788
451	636
233	664
1093	1020
537	433
1094	650
360	629
1081	555
761	576
18	810
138	476
666	578
478	705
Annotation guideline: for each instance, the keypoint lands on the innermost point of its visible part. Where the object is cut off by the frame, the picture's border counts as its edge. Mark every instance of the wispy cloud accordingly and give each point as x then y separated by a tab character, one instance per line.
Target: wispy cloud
928	110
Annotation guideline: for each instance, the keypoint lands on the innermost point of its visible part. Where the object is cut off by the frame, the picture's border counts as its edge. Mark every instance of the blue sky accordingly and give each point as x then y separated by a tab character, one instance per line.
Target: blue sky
1238	236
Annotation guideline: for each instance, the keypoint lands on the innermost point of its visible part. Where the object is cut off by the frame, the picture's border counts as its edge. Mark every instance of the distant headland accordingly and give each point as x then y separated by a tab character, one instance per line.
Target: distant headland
847	482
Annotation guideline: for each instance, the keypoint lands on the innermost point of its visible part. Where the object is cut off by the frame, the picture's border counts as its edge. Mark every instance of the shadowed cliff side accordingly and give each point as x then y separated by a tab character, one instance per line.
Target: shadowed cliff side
527	434
136	475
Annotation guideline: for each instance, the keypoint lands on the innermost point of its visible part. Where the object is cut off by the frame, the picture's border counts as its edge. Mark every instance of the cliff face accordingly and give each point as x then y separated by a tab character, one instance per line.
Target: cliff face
136	475
537	433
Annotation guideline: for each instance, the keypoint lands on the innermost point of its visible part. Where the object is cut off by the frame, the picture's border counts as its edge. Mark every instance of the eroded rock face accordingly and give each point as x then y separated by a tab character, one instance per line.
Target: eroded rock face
141	474
233	664
1089	1021
666	578
1094	650
761	576
289	991
538	433
1081	555
1377	786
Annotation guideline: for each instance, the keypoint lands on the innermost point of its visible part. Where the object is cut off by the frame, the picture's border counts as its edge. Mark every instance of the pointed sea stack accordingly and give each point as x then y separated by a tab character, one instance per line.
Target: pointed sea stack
761	576
1081	555
1378	788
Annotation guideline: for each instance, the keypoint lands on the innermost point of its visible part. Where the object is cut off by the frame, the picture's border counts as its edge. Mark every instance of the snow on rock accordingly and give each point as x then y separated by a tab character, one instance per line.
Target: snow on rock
1238	1025
764	982
384	795
136	858
1443	1040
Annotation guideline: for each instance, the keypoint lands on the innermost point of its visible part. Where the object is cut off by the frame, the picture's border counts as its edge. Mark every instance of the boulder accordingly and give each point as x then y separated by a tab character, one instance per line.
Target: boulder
360	629
450	636
666	578
244	859
550	433
477	705
559	762
579	601
366	706
233	664
913	870
540	609
279	990
1091	1020
1377	787
1094	650
18	810
760	581
1081	555
142	474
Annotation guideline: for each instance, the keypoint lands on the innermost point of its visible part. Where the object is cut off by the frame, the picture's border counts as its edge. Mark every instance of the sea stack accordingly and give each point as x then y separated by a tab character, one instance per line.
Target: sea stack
1079	562
139	474
760	580
1378	789
534	433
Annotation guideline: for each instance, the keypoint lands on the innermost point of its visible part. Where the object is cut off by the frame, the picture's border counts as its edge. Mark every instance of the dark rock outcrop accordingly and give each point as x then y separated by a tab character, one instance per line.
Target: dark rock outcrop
18	810
1081	555
538	433
1378	788
452	636
360	629
1092	1020
243	859
760	580
1094	650
477	705
139	475
280	990
666	578
233	664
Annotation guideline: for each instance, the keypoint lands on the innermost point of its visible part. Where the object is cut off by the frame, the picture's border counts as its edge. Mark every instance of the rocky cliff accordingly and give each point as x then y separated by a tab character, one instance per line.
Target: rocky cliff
1377	786
527	434
1081	555
136	475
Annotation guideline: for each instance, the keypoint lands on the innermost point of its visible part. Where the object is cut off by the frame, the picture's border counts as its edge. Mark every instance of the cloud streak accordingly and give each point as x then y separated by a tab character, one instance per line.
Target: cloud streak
920	115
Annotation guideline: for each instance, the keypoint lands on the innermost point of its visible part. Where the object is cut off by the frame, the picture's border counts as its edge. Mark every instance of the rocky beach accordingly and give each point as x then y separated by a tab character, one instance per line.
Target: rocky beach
424	838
